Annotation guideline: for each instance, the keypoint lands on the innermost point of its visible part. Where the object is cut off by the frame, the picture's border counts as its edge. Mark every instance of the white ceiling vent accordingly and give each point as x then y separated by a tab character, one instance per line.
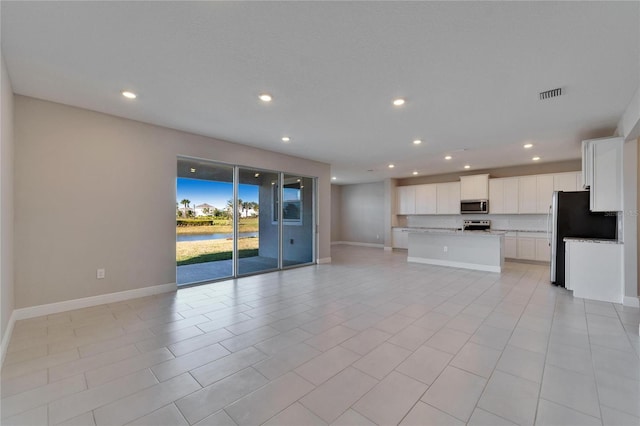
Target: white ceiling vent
553	93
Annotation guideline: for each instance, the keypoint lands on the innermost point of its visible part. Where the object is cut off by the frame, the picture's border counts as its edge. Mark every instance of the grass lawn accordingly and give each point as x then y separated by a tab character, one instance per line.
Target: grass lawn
249	224
190	252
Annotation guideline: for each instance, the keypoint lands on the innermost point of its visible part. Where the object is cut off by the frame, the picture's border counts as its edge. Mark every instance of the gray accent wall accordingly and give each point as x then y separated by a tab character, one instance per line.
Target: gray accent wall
98	191
336	221
6	199
362	213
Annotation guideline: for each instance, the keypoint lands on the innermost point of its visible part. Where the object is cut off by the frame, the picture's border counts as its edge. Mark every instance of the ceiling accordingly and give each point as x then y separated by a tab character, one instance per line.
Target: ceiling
470	73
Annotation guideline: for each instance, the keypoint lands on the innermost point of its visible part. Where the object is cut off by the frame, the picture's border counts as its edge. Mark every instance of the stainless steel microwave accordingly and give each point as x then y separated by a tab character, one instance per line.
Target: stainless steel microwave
474	206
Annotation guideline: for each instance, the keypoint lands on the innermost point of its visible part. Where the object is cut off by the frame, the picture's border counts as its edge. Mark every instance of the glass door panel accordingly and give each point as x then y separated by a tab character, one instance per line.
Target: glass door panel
258	232
298	220
204	221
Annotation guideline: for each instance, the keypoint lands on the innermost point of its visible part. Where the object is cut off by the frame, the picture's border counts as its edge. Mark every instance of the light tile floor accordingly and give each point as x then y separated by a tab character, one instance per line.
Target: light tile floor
368	339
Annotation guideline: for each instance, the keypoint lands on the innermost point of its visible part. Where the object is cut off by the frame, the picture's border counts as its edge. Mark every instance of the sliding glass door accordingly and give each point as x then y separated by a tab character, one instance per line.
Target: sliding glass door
234	221
256	198
298	224
204	221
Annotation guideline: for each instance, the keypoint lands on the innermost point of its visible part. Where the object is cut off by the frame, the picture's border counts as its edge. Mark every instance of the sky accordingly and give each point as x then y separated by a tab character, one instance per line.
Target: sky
211	192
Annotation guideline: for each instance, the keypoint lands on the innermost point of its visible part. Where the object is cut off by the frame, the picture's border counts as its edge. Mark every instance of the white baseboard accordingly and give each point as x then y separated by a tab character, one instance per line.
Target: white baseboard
634	302
474	266
355	243
388	248
85	302
324	260
7	337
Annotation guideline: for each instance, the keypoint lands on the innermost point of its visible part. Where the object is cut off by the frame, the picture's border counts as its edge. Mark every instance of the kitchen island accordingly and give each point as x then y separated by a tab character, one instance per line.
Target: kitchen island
479	250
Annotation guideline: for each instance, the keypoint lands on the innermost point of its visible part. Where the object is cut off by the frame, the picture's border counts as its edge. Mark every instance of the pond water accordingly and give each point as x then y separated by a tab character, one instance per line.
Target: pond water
201	237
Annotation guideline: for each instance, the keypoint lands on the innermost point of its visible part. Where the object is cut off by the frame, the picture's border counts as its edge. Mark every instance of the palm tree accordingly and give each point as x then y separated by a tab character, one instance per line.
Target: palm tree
229	209
186	203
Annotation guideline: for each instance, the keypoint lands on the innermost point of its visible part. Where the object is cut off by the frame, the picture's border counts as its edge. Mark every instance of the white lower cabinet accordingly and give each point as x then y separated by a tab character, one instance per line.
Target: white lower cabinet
527	246
543	251
400	238
511	247
594	270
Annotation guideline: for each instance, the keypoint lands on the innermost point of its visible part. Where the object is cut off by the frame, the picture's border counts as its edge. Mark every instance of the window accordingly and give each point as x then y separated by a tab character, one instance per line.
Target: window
291	204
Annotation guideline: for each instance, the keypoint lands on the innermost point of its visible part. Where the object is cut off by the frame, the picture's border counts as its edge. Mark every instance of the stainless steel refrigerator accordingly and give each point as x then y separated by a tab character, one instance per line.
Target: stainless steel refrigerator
569	216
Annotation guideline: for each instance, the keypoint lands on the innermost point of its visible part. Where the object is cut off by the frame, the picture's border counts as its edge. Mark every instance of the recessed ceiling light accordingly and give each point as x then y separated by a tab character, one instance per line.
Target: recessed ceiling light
536	158
448	157
193	170
391	166
129	95
265	97
334	178
286	139
398	102
415	172
417	142
466	166
528	145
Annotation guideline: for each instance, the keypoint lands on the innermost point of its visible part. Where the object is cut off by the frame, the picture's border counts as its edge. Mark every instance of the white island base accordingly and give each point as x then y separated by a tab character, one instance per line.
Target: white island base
482	251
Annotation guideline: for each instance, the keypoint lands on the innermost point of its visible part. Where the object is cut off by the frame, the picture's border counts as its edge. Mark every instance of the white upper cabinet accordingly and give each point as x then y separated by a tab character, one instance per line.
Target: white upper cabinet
512	195
587	164
503	195
474	187
534	193
602	172
527	194
566	181
448	198
426	199
511	191
496	196
406	200
544	193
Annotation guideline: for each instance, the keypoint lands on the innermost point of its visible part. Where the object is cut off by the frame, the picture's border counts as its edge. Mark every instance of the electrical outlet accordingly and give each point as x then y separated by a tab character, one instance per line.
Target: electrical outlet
100	273
445	249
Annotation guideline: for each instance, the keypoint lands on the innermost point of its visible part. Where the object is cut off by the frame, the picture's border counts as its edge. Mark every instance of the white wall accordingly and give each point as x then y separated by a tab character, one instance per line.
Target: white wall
630	218
81	178
362	209
6	200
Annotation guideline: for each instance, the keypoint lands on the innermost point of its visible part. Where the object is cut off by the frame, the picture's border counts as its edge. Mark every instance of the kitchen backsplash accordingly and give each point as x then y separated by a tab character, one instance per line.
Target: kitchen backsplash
519	222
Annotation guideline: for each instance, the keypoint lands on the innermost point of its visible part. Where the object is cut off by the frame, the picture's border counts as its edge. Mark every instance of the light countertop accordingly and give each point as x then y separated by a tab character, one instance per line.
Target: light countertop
434	229
590	240
454	231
